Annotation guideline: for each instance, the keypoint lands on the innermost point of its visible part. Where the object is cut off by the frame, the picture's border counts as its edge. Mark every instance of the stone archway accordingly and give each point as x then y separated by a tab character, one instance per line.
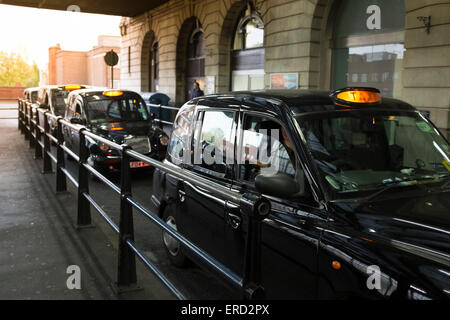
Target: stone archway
147	81
185	36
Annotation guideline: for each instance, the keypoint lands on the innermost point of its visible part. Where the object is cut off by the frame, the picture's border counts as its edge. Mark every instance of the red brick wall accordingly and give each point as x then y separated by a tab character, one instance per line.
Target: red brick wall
11	93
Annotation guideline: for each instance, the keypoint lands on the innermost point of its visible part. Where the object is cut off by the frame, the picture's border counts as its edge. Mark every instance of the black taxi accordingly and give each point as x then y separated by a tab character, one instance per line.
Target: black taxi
31	94
359	187
117	115
54	99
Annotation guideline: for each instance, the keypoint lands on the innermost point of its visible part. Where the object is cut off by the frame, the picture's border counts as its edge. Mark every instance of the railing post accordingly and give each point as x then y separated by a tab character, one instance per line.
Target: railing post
31	128
256	209
18	114
26	121
37	132
47	160
61	181
84	207
126	272
160	116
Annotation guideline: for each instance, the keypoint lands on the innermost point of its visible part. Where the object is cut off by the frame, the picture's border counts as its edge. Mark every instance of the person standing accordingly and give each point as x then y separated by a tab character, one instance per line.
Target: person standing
196	91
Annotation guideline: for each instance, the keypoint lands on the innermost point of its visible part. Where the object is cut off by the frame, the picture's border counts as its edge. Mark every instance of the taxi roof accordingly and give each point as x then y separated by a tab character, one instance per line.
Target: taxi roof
303	101
32	89
99	90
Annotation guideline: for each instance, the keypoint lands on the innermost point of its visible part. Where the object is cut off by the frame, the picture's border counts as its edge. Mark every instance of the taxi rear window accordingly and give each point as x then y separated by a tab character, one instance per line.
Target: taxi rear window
59	99
125	109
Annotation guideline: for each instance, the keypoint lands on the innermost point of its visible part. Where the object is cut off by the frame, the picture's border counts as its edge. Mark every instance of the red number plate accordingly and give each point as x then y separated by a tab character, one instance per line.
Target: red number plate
138	164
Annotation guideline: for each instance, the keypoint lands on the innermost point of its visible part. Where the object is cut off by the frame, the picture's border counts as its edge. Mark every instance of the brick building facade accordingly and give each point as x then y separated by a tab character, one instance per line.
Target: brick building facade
84	67
309	43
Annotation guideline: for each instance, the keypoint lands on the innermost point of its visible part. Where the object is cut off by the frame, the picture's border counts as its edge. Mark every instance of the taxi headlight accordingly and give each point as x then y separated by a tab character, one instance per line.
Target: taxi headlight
163	140
103	147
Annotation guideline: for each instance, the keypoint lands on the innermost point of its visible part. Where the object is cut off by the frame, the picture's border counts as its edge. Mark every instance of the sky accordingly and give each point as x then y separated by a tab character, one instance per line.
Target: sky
32	31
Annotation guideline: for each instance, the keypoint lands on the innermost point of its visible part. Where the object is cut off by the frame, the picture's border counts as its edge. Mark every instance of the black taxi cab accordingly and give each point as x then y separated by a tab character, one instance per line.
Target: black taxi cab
31	94
117	115
359	187
54	99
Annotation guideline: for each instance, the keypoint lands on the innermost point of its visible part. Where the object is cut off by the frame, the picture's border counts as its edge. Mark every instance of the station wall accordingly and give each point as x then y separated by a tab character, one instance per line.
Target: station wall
300	39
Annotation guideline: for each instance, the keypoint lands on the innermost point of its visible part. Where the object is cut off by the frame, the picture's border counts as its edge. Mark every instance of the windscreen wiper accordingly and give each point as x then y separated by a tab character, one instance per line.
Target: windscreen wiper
389	185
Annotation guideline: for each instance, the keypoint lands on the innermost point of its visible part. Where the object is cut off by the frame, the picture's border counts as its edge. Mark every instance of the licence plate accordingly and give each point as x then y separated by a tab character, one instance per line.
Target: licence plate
138	164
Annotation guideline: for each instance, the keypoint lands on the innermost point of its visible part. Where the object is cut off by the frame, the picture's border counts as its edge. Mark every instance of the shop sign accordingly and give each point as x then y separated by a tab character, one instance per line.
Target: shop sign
284	81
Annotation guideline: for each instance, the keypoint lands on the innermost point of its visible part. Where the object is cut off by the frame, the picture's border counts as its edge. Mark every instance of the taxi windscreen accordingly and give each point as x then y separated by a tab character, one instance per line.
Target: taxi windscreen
125	109
34	96
59	100
364	150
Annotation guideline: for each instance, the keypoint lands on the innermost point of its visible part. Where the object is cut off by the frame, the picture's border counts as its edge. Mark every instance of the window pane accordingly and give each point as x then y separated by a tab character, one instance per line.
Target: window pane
59	100
239	82
138	110
264	149
256	82
378	66
111	110
237	44
360	151
179	139
254	36
215	139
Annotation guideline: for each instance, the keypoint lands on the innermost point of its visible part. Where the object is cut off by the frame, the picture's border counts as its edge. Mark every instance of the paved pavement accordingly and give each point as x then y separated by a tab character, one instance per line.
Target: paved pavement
38	240
8	110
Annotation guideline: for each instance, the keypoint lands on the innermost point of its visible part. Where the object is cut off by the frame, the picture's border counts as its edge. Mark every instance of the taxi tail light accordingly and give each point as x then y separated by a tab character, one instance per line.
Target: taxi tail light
358	95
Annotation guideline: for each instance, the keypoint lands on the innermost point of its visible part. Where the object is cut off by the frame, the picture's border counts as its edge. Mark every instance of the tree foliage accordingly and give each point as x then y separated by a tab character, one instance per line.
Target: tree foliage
14	69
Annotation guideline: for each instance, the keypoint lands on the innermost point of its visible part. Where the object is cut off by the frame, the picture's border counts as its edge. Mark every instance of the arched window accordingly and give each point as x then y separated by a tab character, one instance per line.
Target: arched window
368	45
154	67
247	57
195	68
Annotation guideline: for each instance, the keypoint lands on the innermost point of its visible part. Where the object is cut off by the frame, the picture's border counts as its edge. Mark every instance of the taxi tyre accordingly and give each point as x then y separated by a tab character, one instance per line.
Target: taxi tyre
172	247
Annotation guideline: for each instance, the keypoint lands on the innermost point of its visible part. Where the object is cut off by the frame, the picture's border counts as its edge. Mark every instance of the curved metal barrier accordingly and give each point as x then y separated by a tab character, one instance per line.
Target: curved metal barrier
34	123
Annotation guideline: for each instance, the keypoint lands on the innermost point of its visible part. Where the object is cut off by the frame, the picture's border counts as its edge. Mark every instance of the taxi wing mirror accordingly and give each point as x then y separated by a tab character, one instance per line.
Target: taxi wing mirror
280	185
76	120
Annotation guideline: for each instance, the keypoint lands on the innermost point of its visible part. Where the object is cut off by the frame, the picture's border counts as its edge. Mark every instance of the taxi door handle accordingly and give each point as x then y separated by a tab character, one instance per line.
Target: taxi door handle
181	196
233	216
234	220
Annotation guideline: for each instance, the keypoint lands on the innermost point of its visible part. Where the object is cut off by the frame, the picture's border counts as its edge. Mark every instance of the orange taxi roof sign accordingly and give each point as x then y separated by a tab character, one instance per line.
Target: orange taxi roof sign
71	88
358	95
113	93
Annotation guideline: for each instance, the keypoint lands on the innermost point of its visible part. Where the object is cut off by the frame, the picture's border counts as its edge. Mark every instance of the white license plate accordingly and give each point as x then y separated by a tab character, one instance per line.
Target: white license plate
138	164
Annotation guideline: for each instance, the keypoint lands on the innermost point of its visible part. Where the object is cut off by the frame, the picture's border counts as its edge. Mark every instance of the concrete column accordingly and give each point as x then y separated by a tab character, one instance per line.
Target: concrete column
426	76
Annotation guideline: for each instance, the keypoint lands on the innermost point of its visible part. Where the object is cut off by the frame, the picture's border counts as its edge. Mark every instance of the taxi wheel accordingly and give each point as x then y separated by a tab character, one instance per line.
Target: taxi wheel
173	248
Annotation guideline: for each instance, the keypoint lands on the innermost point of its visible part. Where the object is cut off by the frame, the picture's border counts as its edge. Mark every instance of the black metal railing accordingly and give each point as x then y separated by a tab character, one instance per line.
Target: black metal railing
160	117
253	207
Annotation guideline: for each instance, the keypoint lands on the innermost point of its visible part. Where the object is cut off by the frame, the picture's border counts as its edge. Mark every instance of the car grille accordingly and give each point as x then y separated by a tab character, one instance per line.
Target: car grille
139	144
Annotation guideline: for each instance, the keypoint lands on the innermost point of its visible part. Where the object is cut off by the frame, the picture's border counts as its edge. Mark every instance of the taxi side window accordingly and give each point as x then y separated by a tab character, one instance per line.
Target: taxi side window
265	149
212	139
77	109
69	113
137	110
180	138
113	109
